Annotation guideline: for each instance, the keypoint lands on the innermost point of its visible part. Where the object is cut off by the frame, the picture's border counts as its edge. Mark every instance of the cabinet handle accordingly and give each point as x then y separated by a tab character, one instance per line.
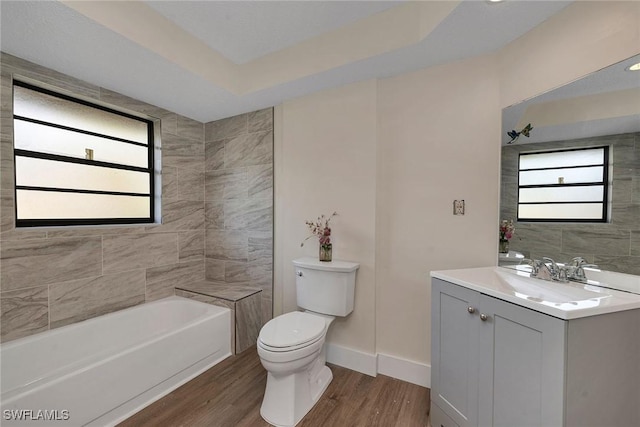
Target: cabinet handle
483	317
471	310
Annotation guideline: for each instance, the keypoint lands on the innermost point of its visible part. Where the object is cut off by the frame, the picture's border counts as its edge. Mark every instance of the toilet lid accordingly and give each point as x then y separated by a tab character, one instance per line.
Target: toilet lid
292	329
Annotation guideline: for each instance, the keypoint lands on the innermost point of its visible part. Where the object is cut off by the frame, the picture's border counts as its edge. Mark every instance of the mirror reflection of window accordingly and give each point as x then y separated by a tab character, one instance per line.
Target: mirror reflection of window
563	185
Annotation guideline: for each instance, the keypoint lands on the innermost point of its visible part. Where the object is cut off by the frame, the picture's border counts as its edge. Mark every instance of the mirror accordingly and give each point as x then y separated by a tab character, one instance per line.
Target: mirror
601	109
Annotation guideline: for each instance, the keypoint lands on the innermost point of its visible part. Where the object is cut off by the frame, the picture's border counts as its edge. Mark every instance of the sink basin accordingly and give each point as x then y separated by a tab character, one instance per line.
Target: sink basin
567	296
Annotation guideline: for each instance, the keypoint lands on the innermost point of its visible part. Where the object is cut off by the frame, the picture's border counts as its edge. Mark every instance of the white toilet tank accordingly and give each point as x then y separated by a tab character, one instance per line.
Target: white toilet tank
325	287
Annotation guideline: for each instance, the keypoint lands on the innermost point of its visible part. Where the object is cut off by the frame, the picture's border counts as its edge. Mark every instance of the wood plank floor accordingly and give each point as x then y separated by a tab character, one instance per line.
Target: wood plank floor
230	395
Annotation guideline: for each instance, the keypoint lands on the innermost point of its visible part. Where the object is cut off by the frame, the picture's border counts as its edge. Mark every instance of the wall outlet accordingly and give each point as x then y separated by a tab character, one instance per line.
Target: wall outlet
458	207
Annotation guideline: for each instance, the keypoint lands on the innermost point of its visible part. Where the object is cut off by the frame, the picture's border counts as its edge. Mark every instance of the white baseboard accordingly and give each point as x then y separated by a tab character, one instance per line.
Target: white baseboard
371	364
405	370
352	359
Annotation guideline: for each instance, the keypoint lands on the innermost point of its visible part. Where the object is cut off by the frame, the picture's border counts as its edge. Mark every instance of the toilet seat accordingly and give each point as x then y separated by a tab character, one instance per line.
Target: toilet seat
292	331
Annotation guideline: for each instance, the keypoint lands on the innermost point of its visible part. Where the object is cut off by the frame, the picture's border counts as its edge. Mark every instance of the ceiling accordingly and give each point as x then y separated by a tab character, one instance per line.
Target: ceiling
212	59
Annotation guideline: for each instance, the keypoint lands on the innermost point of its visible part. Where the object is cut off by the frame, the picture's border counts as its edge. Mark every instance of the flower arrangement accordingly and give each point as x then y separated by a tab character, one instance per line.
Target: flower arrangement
507	229
320	229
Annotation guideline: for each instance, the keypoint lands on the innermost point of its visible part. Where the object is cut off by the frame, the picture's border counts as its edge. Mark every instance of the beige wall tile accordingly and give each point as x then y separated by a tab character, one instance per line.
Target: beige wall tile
169	182
248	322
226	184
229	245
182	152
214	155
190	184
77	300
190	128
248	150
124	253
29	263
24	312
225	128
260	120
260	181
191	246
214	269
161	281
214	215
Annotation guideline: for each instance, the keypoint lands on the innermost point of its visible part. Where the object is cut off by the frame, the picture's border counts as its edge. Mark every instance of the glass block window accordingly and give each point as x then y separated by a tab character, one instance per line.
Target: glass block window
78	163
564	185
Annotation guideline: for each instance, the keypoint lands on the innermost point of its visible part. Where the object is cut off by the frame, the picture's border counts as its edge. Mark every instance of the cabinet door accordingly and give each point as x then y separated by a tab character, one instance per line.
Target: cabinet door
454	351
521	379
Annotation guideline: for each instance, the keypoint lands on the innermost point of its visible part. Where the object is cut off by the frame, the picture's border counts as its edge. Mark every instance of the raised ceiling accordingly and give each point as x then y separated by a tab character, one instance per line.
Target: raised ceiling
209	60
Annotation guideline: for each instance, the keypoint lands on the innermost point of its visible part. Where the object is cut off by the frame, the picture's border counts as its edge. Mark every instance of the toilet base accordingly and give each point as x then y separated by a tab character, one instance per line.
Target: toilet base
288	398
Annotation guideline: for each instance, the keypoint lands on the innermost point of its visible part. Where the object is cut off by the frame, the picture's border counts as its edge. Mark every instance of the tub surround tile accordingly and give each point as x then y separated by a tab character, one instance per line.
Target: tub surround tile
266	303
220	290
229	245
191	246
97	231
226	184
180	215
24	312
124	253
77	300
623	214
161	281
214	215
635	243
236	273
190	128
260	247
28	263
182	152
260	120
249	150
21	234
169	182
225	128
214	269
248	322
190	185
214	155
260	181
244	301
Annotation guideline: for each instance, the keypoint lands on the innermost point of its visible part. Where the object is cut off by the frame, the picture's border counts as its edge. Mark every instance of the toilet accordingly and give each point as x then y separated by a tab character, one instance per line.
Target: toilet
291	346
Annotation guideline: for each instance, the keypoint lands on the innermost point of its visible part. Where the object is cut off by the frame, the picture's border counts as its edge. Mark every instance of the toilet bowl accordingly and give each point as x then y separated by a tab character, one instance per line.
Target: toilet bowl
291	346
291	349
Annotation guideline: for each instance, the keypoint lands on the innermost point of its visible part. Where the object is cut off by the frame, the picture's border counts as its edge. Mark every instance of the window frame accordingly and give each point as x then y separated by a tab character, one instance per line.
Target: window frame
64	222
605	183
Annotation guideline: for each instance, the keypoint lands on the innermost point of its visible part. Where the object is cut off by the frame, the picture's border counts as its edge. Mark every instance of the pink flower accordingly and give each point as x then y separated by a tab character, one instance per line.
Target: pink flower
320	229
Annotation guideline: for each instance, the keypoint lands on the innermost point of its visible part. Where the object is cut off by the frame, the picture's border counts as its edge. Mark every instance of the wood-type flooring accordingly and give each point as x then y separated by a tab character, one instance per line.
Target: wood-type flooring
230	395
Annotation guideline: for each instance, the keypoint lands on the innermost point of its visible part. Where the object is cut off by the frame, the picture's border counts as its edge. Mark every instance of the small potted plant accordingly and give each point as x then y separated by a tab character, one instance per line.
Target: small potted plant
506	233
320	229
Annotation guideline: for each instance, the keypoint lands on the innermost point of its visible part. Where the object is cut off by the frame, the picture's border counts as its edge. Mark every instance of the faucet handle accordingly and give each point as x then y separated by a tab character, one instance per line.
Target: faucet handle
578	261
554	266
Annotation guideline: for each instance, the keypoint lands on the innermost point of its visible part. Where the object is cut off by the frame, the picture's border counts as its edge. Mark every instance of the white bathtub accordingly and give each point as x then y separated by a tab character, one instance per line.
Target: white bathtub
100	371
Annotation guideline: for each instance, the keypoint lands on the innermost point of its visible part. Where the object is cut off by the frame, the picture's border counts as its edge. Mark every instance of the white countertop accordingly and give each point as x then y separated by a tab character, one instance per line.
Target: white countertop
563	300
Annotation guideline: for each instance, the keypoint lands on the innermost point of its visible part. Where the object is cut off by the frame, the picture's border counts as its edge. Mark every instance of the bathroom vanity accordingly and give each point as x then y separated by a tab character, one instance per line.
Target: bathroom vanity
510	350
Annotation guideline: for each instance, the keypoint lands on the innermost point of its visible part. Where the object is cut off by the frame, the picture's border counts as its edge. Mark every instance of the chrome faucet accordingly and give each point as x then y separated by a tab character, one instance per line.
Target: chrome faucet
575	270
547	269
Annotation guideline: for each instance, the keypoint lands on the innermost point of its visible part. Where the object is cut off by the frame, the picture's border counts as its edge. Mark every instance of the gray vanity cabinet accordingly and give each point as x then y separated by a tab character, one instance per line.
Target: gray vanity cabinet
494	363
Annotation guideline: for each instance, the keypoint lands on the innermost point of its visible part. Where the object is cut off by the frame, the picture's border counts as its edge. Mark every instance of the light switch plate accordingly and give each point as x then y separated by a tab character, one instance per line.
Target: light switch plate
458	207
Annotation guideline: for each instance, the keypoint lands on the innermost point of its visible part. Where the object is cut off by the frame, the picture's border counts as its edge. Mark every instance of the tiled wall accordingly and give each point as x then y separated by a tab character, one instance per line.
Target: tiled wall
239	202
53	277
612	246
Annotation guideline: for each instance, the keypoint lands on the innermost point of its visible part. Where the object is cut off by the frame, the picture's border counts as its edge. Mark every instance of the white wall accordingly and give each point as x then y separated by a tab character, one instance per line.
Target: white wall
438	141
393	180
326	161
